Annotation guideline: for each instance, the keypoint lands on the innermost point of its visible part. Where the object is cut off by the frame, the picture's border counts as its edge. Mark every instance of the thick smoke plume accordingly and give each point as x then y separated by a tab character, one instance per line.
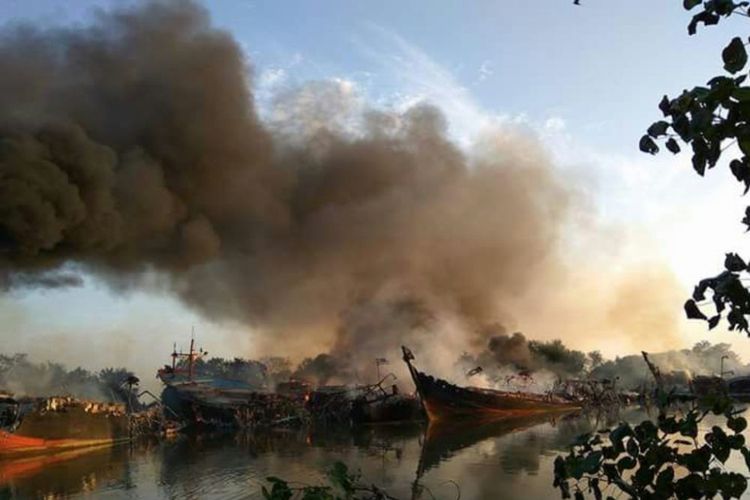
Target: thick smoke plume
132	148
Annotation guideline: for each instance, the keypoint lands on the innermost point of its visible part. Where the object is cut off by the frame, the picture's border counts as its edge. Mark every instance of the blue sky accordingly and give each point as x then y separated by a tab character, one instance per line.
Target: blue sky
585	79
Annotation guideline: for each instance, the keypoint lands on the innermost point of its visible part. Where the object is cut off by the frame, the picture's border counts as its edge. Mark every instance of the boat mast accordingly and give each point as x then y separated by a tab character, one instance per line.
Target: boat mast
179	357
191	358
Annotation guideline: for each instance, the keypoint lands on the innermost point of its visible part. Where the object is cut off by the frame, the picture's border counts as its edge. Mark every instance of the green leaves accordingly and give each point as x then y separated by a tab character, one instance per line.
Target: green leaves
697	460
689	425
692	311
734	263
647	145
591	463
737	424
658	129
626	463
644	461
741	94
741	171
279	489
734	55
340	477
672	145
664	486
707	119
705	17
712	11
665	105
719	442
344	485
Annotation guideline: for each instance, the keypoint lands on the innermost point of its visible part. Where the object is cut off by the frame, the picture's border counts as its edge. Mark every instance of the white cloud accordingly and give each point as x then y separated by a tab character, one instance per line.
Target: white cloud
412	76
486	70
271	77
554	124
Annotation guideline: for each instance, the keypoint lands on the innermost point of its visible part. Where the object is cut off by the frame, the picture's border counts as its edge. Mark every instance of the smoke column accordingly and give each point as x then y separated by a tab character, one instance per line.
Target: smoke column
132	148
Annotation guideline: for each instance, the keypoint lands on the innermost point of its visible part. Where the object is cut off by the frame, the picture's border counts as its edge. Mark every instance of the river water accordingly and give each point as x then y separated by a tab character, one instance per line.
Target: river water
495	461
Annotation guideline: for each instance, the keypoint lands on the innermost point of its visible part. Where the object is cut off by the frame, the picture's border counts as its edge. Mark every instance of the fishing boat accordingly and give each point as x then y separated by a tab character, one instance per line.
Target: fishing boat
46	425
199	400
443	400
217	402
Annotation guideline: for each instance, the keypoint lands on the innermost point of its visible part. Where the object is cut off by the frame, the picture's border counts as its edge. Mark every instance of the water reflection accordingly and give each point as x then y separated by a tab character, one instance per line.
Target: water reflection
63	474
509	459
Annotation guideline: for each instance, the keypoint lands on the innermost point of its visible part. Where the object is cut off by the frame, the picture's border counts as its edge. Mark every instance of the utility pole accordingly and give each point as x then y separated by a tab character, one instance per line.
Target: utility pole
722	372
378	362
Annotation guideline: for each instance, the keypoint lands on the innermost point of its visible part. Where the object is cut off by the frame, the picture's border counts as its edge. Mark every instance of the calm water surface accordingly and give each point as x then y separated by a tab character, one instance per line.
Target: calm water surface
501	460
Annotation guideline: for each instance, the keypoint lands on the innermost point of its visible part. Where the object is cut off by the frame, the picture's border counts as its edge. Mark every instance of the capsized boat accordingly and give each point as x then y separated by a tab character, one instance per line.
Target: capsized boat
443	400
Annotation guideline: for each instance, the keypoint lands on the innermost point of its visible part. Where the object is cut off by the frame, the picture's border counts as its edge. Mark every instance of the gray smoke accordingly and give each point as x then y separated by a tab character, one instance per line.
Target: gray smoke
132	147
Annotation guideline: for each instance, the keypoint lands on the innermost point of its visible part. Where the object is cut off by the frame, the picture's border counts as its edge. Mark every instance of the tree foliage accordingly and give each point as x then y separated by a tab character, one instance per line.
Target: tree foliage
669	458
24	377
249	371
708	119
558	358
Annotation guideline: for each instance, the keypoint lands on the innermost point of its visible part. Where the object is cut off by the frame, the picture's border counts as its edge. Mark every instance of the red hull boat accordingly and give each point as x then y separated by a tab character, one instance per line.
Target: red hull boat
60	424
14	445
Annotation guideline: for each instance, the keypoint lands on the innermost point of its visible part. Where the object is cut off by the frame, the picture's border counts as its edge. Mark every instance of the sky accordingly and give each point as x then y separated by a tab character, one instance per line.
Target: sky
585	79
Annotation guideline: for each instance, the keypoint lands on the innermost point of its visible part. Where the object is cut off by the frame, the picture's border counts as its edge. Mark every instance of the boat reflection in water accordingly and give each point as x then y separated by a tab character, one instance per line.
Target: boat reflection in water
502	459
80	471
443	440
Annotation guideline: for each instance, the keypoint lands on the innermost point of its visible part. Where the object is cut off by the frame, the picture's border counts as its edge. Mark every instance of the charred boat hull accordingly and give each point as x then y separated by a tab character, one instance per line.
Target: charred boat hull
443	400
203	406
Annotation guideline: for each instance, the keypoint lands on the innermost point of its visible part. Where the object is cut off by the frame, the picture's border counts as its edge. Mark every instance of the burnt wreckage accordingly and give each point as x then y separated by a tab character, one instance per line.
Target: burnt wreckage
224	403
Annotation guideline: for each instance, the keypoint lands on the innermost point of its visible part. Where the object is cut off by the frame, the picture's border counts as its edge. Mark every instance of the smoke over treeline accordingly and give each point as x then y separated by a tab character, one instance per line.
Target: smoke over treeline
530	355
543	361
132	149
508	361
322	369
24	377
507	356
703	358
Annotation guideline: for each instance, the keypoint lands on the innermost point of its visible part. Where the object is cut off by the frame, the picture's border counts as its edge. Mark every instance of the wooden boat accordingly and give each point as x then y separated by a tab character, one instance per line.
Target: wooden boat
214	402
443	400
56	424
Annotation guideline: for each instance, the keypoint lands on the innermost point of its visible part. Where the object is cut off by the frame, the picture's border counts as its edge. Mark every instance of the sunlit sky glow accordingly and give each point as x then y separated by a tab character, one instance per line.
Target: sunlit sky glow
585	79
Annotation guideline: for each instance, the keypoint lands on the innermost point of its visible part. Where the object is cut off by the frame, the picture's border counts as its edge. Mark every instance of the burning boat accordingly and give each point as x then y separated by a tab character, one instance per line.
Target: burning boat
443	400
44	425
365	404
218	402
